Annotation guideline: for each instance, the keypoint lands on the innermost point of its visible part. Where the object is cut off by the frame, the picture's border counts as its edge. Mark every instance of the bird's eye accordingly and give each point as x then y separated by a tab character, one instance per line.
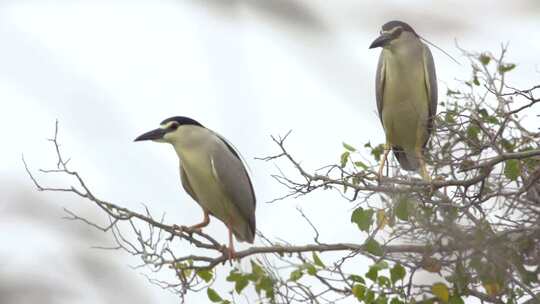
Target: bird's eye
173	126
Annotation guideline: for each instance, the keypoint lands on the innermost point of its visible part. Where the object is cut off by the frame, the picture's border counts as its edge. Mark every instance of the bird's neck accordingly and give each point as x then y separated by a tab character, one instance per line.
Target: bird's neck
405	47
190	140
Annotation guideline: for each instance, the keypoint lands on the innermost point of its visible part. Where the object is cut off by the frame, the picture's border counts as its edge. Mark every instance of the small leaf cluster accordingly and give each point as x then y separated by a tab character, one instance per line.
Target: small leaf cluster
371	293
310	268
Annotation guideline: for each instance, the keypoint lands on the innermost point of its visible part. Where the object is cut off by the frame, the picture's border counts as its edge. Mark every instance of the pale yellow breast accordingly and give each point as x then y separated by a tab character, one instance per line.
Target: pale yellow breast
405	99
204	183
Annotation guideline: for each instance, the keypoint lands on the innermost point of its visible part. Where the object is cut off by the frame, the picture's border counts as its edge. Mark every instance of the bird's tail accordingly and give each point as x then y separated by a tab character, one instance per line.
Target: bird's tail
407	160
246	231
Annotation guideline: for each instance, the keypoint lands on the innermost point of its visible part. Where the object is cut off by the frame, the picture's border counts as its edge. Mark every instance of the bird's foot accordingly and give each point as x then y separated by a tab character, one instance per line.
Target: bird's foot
188	229
380	178
229	252
176	229
193	228
432	188
427	178
383	161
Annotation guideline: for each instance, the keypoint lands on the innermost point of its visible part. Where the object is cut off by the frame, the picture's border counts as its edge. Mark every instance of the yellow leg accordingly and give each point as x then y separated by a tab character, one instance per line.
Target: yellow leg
423	170
230	250
421	136
384	159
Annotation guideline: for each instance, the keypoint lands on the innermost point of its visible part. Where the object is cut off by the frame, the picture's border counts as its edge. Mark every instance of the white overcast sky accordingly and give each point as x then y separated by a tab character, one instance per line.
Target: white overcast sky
110	70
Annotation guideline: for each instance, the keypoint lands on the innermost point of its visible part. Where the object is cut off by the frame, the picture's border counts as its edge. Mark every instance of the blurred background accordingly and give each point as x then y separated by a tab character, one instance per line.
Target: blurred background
110	70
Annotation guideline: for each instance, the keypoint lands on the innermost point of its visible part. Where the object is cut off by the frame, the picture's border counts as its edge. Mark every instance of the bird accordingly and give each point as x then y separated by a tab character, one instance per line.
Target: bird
406	94
213	173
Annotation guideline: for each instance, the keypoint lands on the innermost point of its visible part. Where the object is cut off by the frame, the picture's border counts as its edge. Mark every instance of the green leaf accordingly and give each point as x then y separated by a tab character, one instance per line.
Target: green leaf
512	169
377	152
492	288
213	295
506	67
382	219
397	273
372	273
449	117
257	269
240	285
381	300
362	218
441	291
402	209
475	80
349	147
383	281
483	112
472	132
357	278
317	260
361	165
296	275
461	280
373	247
267	285
359	291
380	265
240	280
311	270
486	117
344	158
484	59
396	301
234	276
455	299
492	120
206	275
369	297
356	180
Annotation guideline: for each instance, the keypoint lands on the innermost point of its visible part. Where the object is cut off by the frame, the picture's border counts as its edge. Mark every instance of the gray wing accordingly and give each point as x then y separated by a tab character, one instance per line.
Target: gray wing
235	180
431	86
185	183
379	84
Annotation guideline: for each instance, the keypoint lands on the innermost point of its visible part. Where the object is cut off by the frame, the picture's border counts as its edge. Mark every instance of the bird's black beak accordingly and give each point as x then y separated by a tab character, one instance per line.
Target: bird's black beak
152	135
382	40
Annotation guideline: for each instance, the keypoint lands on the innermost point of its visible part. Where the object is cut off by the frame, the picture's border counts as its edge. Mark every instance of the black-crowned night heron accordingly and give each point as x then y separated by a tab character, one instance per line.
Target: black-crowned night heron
213	174
406	92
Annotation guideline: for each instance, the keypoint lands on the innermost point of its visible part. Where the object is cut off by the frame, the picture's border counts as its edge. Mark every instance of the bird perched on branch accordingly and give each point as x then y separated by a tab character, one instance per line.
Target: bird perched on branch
213	174
406	93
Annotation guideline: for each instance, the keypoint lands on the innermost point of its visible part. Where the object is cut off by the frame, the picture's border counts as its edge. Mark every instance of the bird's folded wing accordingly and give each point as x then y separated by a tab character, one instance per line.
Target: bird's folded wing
431	84
379	84
234	180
